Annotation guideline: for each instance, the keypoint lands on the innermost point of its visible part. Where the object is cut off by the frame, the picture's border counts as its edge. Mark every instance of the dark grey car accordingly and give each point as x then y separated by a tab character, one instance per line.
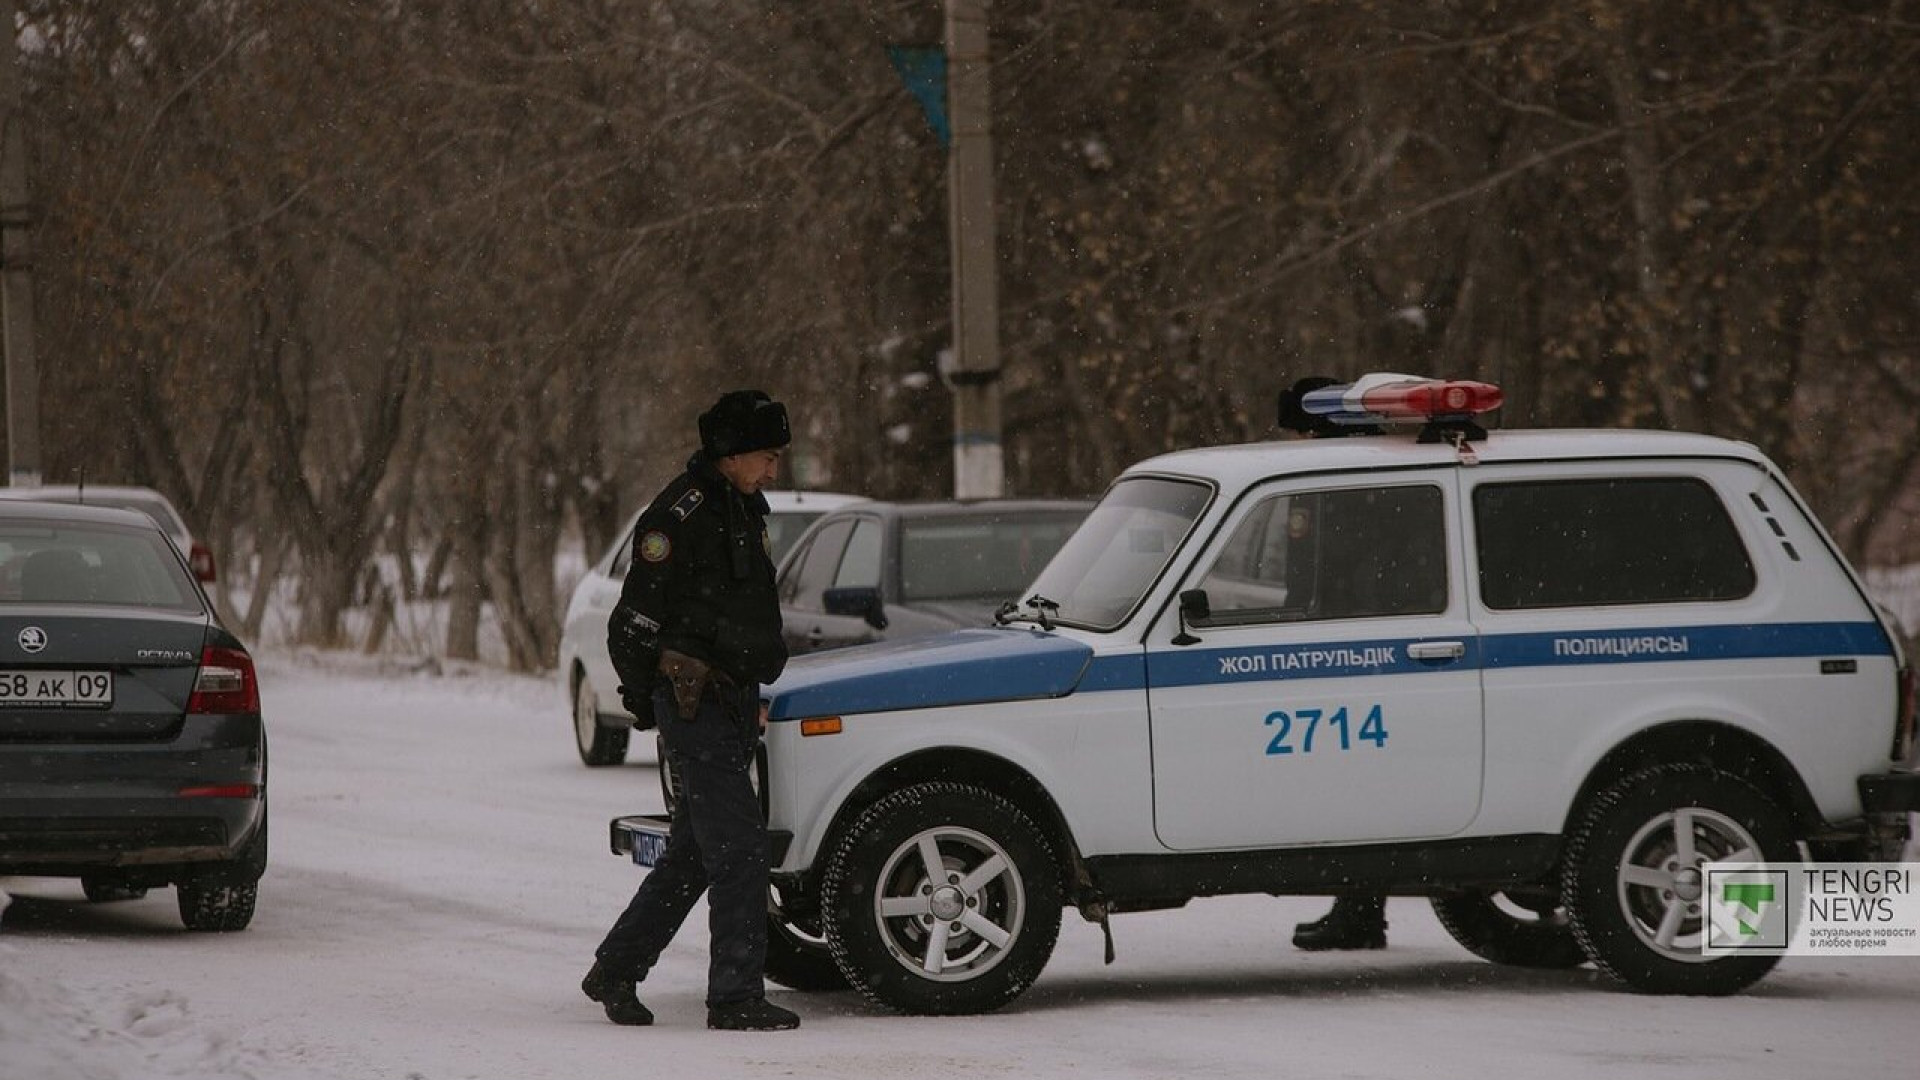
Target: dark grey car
893	570
132	752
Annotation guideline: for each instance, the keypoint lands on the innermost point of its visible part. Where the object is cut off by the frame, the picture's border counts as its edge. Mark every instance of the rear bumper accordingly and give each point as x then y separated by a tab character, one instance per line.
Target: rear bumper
1890	793
72	844
72	808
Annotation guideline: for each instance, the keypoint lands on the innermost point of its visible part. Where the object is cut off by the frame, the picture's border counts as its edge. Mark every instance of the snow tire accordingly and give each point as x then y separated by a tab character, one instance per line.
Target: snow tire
1620	833
599	745
1478	922
966	937
213	905
798	962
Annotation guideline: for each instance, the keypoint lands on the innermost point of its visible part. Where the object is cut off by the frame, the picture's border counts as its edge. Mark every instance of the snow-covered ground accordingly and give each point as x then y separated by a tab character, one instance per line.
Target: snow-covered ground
440	877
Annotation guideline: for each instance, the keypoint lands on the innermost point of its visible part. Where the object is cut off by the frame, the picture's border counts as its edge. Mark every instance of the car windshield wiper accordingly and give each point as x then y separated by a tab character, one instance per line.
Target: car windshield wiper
1010	611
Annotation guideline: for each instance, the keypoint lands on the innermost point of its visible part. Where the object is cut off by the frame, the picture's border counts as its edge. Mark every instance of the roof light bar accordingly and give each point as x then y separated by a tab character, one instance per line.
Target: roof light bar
1386	397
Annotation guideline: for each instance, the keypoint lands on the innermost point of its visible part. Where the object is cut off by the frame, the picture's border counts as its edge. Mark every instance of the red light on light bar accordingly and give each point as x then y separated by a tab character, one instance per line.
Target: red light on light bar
1383	398
1452	399
220	791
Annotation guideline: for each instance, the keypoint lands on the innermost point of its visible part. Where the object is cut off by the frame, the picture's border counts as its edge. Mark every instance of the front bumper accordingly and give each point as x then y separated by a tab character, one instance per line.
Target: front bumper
623	833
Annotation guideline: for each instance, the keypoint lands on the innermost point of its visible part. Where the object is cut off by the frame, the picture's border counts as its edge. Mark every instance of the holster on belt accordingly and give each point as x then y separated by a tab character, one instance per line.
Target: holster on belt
689	679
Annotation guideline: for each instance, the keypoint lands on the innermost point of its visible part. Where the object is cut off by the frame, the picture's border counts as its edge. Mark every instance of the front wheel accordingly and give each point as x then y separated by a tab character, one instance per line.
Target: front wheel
942	899
799	961
1520	929
598	745
1634	875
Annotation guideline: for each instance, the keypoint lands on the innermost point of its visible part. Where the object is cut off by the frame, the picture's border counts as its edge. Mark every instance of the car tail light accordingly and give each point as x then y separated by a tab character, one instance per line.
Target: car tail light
201	560
225	684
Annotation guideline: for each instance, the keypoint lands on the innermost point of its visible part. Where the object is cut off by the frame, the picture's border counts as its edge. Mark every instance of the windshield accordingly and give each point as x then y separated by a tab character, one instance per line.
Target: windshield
979	558
1110	563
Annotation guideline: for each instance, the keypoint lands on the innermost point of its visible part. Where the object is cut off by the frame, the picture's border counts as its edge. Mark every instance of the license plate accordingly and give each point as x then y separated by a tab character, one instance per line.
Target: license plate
56	688
648	847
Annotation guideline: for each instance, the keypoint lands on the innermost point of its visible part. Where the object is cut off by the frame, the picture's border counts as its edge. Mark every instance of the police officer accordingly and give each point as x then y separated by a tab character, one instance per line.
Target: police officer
1356	921
696	631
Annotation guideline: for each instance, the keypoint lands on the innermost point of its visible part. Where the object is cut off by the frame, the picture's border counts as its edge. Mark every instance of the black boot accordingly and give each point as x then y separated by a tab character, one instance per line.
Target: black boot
617	994
1355	922
753	1014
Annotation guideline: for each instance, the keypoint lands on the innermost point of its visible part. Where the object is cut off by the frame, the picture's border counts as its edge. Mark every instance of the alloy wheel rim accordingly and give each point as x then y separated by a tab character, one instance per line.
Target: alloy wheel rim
586	720
1659	879
950	904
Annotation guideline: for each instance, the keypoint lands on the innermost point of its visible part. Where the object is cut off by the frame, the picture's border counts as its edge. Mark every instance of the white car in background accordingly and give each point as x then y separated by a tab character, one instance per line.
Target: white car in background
601	727
144	499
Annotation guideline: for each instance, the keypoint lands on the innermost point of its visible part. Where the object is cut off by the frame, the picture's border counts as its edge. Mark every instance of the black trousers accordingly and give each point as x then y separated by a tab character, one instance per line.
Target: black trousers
718	845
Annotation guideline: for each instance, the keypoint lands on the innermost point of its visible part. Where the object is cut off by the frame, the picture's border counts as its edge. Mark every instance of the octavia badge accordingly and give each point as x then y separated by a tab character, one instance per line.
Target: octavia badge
33	639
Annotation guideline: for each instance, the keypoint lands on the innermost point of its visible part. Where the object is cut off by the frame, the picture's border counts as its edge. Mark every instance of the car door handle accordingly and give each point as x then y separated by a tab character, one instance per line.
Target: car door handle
1437	650
816	634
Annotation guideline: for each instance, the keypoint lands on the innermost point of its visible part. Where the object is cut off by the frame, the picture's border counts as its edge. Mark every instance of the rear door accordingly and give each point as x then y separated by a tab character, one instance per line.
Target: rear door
1333	693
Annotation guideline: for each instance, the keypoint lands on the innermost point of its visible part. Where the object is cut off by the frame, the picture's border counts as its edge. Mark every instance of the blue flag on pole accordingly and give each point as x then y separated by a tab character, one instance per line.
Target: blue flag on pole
924	69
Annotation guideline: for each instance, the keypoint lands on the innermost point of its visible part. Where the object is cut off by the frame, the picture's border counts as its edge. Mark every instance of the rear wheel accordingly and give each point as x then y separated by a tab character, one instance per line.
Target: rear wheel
220	897
1633	878
216	904
106	890
942	899
598	745
1518	928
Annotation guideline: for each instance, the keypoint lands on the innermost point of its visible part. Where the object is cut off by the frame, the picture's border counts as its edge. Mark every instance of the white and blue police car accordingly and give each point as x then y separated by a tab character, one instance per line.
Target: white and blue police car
1541	677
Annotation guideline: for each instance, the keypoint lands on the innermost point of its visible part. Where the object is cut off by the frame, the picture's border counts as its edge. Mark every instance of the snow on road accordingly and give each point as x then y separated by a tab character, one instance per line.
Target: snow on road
440	876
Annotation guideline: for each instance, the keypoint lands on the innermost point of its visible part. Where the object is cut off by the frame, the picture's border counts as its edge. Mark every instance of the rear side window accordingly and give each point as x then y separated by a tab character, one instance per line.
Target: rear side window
1596	543
91	564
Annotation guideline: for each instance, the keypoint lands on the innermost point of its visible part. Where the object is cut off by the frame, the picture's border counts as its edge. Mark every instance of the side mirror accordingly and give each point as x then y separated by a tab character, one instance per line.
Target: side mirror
857	601
1194	608
1194	605
201	559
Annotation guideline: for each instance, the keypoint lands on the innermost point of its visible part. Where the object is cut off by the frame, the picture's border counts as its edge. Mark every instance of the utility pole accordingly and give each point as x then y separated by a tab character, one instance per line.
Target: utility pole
978	467
16	271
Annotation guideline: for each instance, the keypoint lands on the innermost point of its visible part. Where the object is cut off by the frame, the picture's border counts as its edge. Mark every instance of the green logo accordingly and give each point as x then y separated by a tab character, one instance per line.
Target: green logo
1749	895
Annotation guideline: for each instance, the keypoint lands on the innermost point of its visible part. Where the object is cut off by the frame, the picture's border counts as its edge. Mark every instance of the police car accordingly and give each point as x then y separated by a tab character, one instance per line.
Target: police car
1541	677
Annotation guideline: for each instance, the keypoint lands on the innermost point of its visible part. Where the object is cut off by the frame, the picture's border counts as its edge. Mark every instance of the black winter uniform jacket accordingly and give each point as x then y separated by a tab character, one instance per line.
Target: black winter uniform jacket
701	583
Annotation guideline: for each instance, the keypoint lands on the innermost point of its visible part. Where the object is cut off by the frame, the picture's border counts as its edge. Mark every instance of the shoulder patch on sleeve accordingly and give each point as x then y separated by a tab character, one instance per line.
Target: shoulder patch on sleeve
688	503
654	546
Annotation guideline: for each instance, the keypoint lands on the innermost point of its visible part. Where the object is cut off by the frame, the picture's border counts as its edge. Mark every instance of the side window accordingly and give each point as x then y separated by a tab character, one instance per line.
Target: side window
1348	554
818	565
861	566
1587	543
